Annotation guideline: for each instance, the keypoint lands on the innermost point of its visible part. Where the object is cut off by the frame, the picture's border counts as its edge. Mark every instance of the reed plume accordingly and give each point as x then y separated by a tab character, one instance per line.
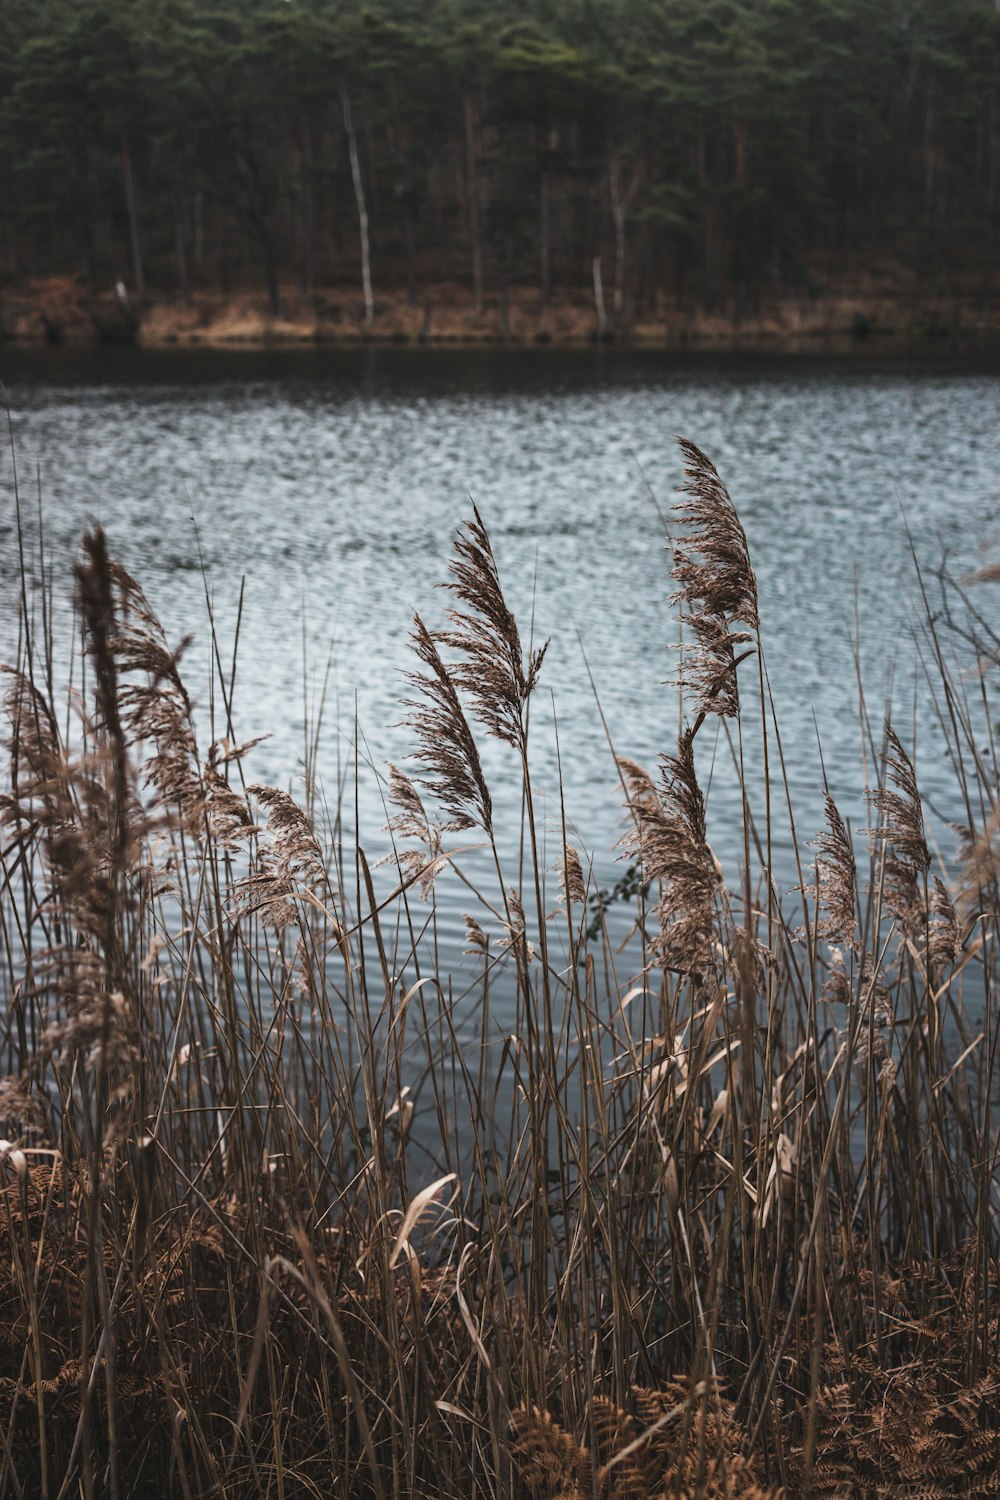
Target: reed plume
836	874
97	603
475	936
712	559
446	745
669	837
516	928
412	821
716	586
709	665
66	805
98	1023
875	1018
154	702
289	862
571	878
978	857
22	1112
663	1190
492	668
944	936
229	817
901	832
640	788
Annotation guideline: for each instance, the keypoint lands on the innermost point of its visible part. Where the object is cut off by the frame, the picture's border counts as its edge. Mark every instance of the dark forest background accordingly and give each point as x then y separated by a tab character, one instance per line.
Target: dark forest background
703	149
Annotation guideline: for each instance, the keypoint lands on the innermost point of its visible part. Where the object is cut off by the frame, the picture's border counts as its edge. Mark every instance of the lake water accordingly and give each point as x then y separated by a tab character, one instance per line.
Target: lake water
332	483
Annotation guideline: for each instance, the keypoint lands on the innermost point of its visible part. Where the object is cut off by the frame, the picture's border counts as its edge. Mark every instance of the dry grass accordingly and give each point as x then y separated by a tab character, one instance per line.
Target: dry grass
717	1218
59	310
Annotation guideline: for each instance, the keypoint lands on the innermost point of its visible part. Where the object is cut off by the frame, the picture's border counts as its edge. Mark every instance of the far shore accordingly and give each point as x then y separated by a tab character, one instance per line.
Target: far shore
58	311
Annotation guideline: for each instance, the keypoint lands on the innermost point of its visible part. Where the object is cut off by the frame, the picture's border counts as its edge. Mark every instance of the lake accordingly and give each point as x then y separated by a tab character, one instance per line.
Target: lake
332	482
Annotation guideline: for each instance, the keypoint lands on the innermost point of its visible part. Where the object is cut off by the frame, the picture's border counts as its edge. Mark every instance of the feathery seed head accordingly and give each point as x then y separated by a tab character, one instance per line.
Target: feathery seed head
901	831
669	838
835	877
446	743
571	877
412	821
712	560
292	860
492	668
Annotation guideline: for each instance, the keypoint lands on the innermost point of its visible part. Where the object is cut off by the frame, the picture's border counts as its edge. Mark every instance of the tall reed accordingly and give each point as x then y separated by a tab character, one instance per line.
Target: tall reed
716	1215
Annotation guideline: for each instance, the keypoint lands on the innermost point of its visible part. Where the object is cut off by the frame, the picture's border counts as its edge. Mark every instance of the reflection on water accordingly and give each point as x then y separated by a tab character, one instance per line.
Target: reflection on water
332	482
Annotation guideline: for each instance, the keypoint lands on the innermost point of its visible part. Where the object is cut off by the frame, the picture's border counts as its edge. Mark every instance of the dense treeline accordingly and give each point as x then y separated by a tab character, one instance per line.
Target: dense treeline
700	148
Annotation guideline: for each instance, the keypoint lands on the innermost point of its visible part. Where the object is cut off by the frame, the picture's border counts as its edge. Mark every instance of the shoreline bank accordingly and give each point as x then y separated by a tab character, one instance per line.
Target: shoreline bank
58	312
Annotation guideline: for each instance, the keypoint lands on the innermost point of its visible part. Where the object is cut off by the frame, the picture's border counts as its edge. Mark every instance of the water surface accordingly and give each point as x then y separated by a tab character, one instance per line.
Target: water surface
331	483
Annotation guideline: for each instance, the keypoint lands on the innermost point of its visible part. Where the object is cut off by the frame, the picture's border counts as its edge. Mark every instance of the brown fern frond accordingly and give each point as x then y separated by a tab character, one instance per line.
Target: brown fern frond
921	1428
681	1440
552	1464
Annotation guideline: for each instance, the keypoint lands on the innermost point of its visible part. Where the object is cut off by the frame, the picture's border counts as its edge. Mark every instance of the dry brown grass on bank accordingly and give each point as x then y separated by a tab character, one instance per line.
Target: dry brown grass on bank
59	310
910	1422
715	1214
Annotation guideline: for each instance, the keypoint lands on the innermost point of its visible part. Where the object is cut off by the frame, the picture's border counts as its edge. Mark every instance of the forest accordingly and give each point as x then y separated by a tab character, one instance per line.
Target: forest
724	149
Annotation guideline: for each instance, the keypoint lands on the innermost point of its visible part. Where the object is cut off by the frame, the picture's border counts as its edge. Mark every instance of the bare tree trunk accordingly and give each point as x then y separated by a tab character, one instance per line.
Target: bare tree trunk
993	175
180	241
87	247
472	195
133	218
621	202
546	243
410	240
503	323
255	211
302	211
270	267
602	317
359	194
740	150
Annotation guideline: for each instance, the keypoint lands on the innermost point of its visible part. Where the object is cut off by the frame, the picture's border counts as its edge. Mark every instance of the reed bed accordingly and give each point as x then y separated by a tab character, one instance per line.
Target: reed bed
717	1215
